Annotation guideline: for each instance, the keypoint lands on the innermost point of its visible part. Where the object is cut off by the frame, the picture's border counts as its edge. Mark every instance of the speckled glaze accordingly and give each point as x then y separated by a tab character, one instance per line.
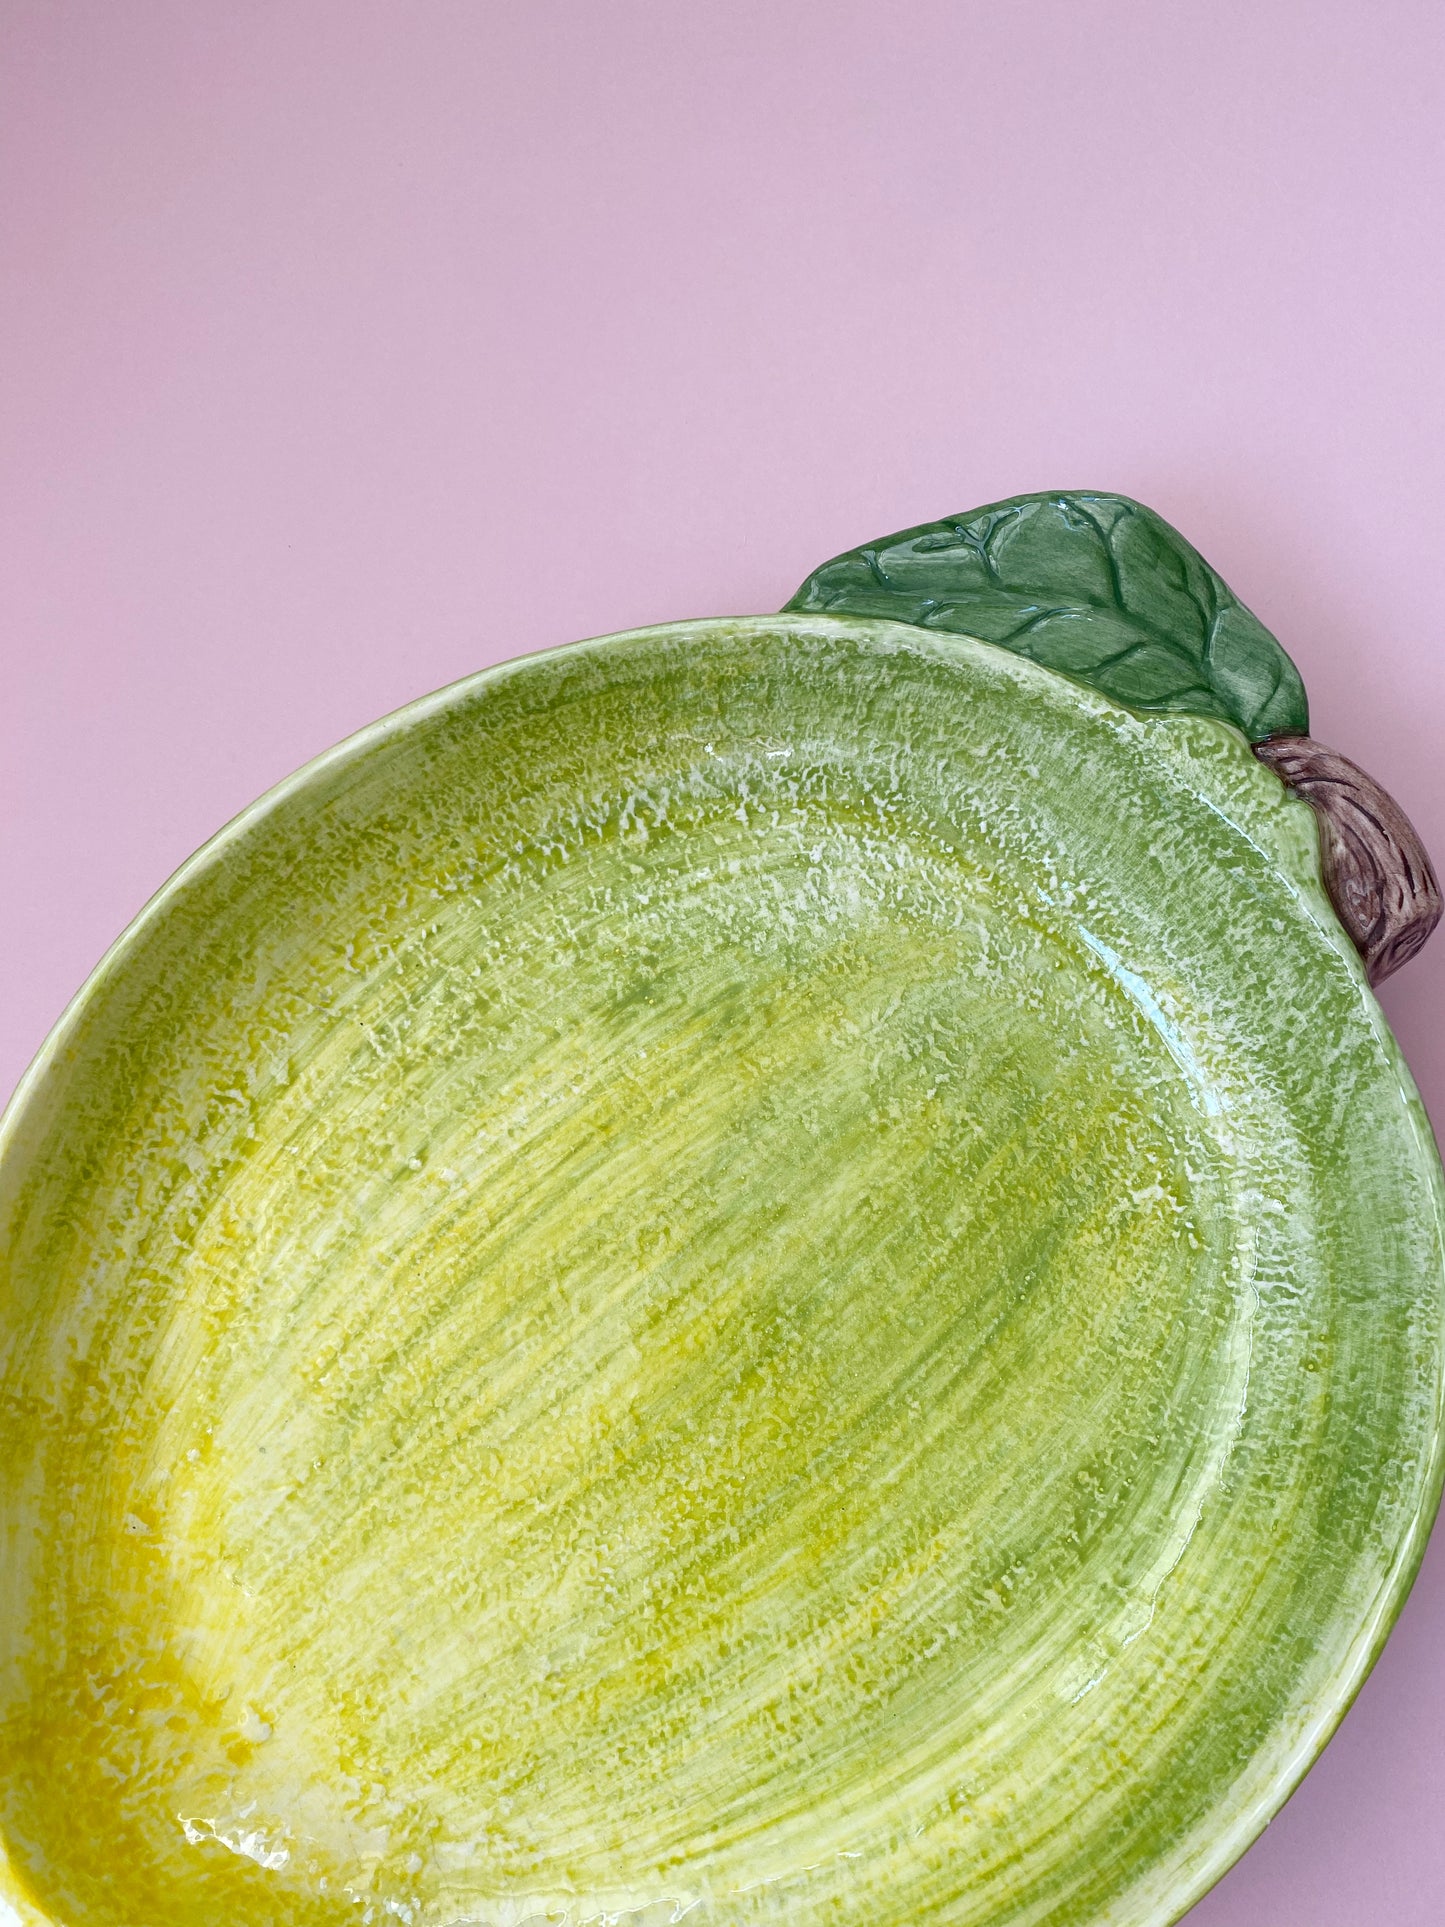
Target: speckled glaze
778	1270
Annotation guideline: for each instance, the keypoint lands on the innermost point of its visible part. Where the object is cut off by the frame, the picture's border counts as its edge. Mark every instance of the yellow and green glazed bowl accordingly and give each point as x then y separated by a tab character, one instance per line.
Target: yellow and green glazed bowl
774	1270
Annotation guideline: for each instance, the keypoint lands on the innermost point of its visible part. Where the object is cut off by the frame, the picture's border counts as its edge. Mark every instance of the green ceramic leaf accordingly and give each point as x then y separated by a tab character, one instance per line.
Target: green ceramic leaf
1095	586
770	1271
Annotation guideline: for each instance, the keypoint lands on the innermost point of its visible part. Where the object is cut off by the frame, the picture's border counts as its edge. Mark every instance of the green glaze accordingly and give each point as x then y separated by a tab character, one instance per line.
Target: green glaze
777	1268
1096	586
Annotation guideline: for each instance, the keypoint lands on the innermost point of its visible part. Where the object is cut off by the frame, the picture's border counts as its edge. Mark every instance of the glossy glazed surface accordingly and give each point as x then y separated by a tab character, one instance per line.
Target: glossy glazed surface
779	1268
1096	586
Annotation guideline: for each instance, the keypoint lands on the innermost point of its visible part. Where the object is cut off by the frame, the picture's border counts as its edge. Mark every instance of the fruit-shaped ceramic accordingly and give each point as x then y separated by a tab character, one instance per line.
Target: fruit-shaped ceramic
764	1270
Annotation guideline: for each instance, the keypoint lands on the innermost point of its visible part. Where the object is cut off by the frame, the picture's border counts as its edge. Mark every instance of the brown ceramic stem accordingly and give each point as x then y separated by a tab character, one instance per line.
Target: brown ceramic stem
1375	867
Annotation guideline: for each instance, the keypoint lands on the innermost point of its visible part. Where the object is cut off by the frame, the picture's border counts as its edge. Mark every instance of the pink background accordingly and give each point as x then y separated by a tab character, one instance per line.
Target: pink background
348	347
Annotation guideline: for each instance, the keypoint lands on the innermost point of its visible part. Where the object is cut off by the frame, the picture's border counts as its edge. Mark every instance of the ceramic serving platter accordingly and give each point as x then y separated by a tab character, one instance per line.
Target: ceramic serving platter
771	1270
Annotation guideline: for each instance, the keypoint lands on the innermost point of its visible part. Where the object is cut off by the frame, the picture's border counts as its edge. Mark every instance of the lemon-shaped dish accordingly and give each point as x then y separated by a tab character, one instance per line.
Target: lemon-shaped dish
772	1270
